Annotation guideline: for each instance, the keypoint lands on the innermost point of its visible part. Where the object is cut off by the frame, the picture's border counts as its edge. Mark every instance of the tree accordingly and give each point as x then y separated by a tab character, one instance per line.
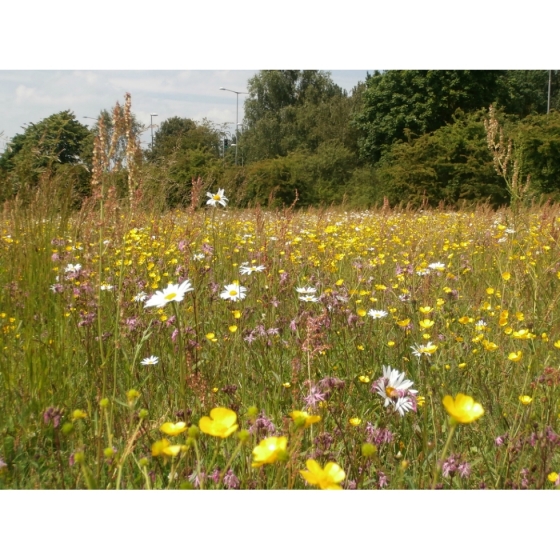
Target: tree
401	104
51	146
278	104
179	134
186	150
58	139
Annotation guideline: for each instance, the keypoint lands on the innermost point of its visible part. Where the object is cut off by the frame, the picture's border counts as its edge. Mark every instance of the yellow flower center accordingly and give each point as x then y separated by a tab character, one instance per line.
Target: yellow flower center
170	296
391	392
233	292
217	197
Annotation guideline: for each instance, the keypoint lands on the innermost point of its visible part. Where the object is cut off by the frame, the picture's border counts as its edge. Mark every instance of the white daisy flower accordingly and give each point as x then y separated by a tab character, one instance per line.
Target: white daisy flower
249	269
173	292
106	287
377	313
140	297
306	290
151	361
423	272
198	256
437	266
217	198
73	268
233	292
309	297
427	350
396	390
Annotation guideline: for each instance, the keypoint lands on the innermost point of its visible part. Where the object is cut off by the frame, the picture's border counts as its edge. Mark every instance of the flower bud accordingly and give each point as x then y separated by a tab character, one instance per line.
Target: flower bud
67	428
193	432
368	449
143	414
79	457
243	435
108	452
252	412
79	414
104	403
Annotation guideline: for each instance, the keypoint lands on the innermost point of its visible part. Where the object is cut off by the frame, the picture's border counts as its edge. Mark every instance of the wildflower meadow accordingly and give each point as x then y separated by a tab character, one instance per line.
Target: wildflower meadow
219	348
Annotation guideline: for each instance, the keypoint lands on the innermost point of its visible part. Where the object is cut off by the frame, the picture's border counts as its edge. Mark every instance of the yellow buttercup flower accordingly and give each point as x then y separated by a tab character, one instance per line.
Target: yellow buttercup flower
553	477
171	429
300	417
426	324
222	423
506	276
490	346
232	328
522	334
269	451
462	408
159	446
327	478
525	399
355	421
173	450
364	379
515	356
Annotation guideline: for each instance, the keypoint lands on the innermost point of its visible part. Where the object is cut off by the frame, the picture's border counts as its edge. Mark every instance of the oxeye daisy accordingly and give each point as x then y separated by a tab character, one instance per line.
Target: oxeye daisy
310	298
307	290
396	390
151	361
377	313
249	269
73	268
217	198
233	292
427	350
173	292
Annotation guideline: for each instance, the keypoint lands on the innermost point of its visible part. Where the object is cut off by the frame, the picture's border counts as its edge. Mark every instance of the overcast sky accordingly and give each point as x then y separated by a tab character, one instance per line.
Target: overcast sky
28	96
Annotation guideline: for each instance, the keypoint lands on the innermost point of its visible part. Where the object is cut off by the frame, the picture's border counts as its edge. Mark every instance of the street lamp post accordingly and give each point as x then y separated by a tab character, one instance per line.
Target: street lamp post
152	128
236	117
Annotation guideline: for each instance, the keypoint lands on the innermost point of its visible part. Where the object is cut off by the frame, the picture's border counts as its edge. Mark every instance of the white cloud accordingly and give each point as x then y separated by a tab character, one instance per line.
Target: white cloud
32	95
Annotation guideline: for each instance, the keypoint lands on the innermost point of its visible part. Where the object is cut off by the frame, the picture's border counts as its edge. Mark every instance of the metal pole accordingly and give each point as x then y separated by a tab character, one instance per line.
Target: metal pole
152	131
549	82
236	126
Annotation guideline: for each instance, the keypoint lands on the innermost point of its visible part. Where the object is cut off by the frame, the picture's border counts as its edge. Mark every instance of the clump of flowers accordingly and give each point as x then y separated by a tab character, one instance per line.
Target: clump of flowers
396	390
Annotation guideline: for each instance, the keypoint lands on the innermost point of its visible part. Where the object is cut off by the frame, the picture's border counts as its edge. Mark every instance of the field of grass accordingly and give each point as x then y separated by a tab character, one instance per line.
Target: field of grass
221	348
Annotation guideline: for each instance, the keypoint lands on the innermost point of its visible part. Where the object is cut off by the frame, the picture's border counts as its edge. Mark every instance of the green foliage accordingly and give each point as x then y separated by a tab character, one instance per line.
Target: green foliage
525	92
50	144
290	110
401	104
451	164
184	150
537	141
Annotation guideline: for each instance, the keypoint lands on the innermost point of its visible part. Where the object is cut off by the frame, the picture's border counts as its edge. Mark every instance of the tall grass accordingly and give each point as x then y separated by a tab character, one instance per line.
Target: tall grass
78	408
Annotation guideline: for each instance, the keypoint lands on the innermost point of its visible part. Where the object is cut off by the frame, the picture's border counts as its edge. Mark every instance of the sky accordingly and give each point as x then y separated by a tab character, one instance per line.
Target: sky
28	96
